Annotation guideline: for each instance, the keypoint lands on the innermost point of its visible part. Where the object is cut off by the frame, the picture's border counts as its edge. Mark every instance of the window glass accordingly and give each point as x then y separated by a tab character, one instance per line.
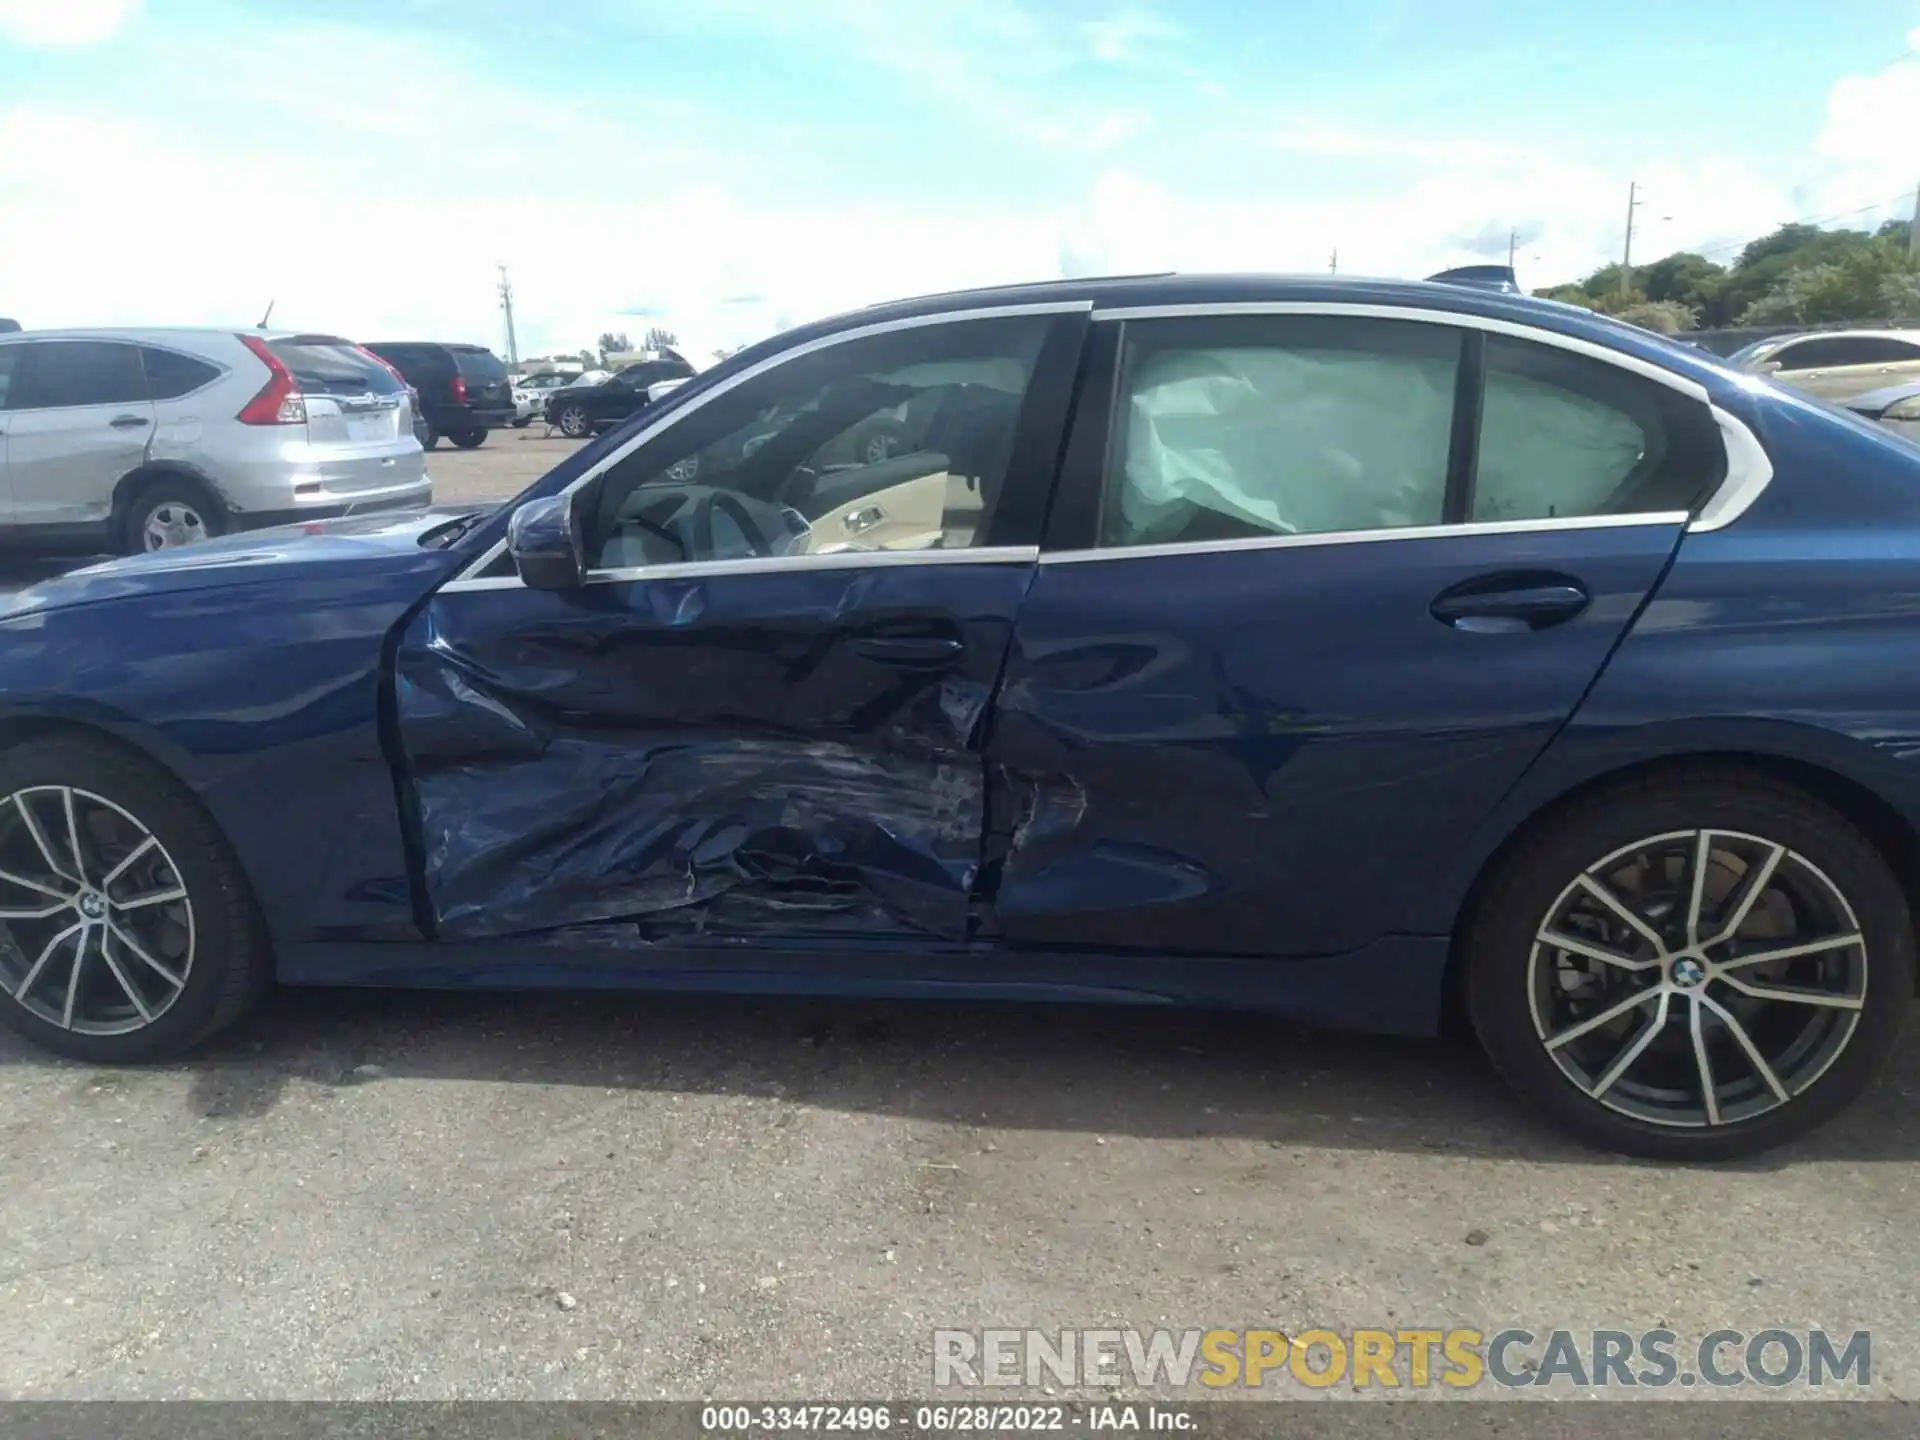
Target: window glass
1820	354
1289	425
171	374
334	367
63	373
8	363
899	441
1880	350
1563	434
482	366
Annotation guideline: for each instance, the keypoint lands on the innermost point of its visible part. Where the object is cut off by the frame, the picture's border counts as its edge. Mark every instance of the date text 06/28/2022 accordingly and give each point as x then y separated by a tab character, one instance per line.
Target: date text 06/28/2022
1403	1358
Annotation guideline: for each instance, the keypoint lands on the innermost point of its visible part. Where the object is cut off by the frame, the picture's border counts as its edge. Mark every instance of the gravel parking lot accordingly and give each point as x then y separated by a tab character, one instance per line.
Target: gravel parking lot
418	1196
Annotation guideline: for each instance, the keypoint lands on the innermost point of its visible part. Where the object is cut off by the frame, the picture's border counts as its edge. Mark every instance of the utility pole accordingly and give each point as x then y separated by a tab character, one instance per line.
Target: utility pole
1626	258
1513	241
1333	264
506	304
1913	230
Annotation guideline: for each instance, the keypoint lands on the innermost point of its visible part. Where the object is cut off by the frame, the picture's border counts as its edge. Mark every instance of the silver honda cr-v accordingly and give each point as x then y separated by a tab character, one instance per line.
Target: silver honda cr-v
144	439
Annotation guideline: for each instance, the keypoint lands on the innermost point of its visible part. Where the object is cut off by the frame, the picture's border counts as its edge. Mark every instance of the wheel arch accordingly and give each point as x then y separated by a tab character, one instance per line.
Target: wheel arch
137	480
1891	833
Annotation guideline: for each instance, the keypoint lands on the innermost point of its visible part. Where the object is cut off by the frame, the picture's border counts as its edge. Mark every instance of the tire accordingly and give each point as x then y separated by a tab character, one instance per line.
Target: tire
225	964
878	442
520	422
572	422
1623	1084
432	440
176	506
469	439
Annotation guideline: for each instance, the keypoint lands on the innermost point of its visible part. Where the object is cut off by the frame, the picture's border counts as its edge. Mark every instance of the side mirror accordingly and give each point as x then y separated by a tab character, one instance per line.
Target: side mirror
545	541
1767	367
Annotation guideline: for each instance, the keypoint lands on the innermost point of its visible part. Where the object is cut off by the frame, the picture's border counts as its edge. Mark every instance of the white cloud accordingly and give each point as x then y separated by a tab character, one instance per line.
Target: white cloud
64	22
1129	36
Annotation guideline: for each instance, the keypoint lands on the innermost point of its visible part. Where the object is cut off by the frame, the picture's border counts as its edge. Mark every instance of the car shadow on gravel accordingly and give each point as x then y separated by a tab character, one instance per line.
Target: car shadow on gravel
1148	1073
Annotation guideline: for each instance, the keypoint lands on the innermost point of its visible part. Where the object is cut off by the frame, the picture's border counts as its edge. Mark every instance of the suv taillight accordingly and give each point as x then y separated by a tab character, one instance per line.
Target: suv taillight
279	401
459	390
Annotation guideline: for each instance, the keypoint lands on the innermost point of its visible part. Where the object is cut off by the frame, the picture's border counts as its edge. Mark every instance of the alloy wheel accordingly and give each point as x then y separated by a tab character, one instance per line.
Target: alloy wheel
96	927
573	422
171	524
1697	978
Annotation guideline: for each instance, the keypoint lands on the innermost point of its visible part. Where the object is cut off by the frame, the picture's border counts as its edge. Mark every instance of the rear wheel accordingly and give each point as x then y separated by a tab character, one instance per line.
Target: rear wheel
127	932
168	512
572	422
520	422
469	439
1692	966
430	438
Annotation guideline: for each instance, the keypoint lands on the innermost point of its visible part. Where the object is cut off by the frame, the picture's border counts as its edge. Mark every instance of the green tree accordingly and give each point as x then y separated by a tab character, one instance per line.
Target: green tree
1869	280
661	338
614	343
1667	317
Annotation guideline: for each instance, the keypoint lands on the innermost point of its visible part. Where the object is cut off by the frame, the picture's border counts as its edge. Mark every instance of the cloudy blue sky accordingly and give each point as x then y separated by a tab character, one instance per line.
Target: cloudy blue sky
730	166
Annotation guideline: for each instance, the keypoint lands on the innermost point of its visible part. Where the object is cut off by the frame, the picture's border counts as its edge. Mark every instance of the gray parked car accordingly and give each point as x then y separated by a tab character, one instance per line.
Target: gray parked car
1836	365
144	439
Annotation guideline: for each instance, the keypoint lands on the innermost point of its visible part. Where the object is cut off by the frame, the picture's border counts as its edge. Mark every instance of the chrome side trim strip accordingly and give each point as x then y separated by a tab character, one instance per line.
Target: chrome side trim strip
1749	472
820	342
780	565
1459	319
1675	518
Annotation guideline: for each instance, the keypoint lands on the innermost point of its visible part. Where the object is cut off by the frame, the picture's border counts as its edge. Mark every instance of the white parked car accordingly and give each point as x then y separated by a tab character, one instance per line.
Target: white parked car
136	440
530	395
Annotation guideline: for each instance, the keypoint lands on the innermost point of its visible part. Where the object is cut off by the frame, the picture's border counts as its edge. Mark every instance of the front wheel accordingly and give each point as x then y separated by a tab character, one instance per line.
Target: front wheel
1696	965
520	422
469	439
572	422
127	932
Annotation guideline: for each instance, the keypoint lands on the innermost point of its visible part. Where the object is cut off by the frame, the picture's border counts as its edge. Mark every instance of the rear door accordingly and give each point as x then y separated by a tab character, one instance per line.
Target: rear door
78	419
1835	367
1318	589
753	722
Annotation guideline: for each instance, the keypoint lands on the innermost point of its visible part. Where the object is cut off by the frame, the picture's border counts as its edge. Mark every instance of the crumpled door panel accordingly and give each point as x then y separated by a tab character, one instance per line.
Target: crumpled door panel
782	755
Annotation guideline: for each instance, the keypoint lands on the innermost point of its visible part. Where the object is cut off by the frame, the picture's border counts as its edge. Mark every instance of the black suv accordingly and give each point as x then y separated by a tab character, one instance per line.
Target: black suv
587	409
464	390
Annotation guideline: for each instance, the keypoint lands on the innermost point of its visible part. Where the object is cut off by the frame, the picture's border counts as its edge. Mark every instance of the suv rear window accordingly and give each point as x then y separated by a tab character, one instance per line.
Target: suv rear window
481	365
333	367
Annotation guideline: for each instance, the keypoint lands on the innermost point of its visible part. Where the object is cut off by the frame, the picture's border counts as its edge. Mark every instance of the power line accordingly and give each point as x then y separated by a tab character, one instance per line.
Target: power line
1805	220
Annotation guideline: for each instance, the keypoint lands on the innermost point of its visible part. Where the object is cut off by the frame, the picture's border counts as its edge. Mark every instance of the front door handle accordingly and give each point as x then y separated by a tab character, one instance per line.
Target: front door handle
914	652
1510	604
128	422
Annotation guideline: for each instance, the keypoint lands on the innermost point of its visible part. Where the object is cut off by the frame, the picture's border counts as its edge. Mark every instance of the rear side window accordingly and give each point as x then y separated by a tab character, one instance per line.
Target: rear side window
333	367
480	365
1822	354
1563	434
61	374
1242	427
8	362
171	374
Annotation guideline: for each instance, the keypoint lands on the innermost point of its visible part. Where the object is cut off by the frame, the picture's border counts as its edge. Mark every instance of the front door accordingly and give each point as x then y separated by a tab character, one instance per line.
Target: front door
77	420
9	363
1315	611
763	716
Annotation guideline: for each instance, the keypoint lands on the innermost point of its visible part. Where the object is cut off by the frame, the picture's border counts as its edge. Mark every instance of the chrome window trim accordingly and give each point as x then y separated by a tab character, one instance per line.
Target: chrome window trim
470	576
1749	470
1674	518
778	565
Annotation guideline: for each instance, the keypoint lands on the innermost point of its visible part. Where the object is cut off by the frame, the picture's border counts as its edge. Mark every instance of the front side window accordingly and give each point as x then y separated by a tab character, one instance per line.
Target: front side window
1242	427
1565	435
61	374
897	441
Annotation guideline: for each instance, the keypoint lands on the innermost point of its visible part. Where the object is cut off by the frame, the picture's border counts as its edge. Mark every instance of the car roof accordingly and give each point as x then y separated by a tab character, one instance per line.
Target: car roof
161	334
428	345
1892	333
1232	291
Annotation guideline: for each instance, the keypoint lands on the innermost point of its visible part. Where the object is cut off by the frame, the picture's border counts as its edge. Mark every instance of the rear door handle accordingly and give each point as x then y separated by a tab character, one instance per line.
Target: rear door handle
1510	604
917	652
128	422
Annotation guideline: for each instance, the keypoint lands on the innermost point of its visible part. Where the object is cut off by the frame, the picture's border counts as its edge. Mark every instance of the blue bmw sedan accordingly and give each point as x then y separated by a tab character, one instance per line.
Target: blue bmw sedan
1367	652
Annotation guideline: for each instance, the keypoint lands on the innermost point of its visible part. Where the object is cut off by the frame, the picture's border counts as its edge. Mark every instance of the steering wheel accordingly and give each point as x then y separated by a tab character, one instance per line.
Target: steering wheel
701	523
